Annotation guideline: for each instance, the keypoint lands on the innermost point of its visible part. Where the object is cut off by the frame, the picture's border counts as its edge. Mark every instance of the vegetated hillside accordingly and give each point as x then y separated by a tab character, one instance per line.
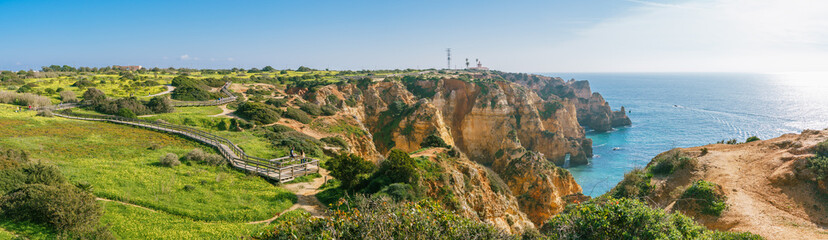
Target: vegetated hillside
775	188
496	123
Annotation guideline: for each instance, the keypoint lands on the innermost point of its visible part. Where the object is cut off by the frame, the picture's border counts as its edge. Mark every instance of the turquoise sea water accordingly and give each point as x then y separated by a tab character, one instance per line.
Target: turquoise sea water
670	110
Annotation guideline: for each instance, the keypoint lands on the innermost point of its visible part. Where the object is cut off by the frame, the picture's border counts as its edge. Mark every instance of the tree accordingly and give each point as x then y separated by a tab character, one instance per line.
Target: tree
268	69
125	112
94	96
161	104
399	167
349	169
433	141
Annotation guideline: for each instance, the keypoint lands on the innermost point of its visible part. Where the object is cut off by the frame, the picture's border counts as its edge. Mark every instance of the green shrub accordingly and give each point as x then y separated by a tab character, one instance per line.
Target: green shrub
298	115
398	192
300	142
349	169
11	179
161	104
68	96
258	112
550	108
752	139
627	219
635	185
191	93
335	141
669	161
277	102
380	218
328	110
819	165
40	173
704	151
68	210
433	141
821	149
125	112
169	160
704	196
399	167
310	108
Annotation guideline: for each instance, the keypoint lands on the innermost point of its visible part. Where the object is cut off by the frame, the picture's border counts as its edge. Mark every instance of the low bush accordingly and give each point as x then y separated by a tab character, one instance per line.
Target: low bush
169	160
819	165
328	110
24	99
635	185
191	93
627	219
83	83
349	169
45	113
433	141
68	210
68	96
704	196
160	104
258	112
276	102
335	142
752	139
300	142
380	218
821	149
298	115
669	161
398	192
310	108
399	167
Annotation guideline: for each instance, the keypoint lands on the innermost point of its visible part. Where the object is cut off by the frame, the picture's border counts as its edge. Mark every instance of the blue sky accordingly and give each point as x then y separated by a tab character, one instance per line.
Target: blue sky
528	36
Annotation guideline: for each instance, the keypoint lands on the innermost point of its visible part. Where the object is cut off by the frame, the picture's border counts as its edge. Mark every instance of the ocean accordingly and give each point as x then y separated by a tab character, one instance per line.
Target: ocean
670	110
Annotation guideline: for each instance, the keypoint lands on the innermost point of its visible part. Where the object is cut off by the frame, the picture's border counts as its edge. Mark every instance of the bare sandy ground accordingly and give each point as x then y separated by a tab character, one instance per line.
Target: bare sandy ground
758	202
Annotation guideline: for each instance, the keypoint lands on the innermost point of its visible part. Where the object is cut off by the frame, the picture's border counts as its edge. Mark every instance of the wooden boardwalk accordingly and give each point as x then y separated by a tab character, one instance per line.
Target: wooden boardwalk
279	169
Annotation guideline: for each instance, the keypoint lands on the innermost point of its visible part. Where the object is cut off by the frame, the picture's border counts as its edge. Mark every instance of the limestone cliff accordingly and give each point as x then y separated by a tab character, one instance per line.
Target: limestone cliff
593	111
474	191
506	126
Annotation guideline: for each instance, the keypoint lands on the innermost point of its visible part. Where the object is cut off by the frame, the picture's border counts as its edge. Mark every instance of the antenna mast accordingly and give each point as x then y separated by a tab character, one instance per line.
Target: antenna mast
448	53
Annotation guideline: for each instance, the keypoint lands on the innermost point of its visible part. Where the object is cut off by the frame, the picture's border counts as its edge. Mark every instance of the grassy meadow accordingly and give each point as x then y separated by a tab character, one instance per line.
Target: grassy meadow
121	163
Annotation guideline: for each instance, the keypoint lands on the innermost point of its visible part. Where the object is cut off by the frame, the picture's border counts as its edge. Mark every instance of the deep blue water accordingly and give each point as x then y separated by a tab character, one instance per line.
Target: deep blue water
670	110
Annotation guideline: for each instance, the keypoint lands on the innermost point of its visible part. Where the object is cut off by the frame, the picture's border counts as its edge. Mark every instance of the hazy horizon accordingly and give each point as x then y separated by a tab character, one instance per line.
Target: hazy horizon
601	36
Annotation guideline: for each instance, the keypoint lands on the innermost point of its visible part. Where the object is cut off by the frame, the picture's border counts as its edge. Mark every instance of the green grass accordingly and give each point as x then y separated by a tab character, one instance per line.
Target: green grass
116	160
128	222
306	178
26	229
118	88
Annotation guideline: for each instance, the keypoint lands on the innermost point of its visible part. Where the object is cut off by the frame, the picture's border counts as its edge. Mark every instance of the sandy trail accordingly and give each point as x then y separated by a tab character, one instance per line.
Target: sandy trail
757	205
225	112
306	195
169	90
124	203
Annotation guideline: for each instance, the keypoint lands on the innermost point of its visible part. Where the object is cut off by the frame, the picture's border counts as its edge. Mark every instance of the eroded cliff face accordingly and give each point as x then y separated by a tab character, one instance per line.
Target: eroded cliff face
593	111
539	185
502	125
474	191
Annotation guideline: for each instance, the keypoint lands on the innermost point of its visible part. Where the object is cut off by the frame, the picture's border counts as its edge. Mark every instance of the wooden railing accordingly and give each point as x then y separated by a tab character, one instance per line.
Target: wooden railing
279	169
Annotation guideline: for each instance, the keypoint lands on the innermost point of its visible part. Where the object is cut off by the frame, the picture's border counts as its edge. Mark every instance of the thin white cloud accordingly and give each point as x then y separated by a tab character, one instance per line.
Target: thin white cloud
708	35
231	59
184	57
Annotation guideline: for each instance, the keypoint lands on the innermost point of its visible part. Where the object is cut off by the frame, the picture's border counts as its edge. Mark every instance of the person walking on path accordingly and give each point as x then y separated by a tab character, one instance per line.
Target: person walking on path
291	153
